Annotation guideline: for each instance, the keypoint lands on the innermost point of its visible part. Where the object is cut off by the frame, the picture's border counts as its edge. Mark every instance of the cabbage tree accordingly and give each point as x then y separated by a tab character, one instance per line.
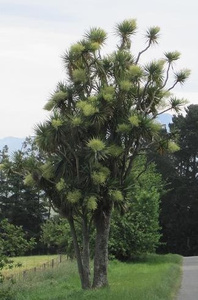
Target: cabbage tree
100	119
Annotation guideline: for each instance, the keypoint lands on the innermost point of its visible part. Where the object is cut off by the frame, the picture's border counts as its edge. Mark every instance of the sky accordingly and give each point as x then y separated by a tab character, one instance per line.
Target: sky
34	34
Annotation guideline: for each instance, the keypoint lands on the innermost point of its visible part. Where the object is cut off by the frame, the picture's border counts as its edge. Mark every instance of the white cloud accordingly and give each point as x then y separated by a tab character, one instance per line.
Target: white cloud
191	97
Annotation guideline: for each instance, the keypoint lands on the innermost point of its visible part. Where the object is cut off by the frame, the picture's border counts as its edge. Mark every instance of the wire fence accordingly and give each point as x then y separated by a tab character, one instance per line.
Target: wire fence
23	274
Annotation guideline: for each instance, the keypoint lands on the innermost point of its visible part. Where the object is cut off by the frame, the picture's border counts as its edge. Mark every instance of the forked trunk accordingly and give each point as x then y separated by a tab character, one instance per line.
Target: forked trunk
83	265
102	222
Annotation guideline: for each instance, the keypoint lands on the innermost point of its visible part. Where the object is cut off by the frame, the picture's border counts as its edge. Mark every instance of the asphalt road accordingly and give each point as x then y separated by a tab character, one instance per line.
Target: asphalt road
189	285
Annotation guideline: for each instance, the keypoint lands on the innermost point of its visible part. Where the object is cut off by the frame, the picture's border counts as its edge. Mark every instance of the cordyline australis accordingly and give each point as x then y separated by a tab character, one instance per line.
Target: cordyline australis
102	117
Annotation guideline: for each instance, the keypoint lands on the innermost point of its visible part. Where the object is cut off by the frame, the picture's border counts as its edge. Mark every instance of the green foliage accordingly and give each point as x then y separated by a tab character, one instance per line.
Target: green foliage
125	85
92	203
134	120
96	145
123	128
7	294
127	27
153	34
124	30
28	180
180	205
87	108
173	147
116	195
98	177
114	150
171	56
79	75
2	263
182	75
77	49
135	72
177	104
60	185
96	35
74	196
56	123
56	236
55	101
138	230
20	200
13	240
108	93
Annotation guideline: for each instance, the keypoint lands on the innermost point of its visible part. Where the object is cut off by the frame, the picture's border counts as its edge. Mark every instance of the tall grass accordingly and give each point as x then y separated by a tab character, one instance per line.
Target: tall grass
26	263
152	278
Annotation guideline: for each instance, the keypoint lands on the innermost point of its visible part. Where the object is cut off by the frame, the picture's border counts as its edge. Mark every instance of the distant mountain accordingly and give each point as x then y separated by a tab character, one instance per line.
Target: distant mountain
13	143
165	119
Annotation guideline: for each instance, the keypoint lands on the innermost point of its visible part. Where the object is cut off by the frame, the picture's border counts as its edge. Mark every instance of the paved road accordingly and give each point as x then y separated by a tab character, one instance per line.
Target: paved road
189	285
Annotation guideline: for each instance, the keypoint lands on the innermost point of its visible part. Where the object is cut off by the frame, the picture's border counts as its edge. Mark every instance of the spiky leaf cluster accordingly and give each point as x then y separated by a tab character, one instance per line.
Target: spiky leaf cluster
103	116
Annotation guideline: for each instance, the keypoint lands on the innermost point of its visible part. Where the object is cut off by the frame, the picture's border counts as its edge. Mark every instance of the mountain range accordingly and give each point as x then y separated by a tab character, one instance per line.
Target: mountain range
13	143
165	119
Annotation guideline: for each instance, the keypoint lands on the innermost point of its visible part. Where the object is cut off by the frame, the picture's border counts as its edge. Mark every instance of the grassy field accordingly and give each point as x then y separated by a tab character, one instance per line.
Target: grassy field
26	263
153	278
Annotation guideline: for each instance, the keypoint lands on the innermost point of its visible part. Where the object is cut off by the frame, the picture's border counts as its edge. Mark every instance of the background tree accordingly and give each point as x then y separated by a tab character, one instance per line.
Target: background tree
137	231
56	235
101	118
180	205
13	240
22	205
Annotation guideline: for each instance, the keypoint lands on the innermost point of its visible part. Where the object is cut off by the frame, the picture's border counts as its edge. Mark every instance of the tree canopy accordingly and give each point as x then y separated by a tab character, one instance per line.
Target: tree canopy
179	206
20	204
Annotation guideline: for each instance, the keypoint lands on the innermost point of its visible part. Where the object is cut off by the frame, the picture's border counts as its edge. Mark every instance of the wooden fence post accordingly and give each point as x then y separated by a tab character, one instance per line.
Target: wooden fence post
24	274
52	263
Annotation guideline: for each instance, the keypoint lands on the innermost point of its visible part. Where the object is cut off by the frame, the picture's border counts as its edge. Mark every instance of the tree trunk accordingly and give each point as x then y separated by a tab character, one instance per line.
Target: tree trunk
86	255
102	223
83	270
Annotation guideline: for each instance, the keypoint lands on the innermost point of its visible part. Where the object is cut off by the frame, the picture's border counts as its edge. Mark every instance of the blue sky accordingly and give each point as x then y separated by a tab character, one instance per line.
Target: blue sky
35	33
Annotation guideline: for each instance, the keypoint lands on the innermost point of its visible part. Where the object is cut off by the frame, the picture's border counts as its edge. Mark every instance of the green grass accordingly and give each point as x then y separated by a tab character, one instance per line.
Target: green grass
153	278
26	263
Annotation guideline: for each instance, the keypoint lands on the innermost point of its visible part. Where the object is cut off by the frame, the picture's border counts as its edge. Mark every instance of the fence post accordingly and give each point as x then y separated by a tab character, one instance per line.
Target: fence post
52	263
24	274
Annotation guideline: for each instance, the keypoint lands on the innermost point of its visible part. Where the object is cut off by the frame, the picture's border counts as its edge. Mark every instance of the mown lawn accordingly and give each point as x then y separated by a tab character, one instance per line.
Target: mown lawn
155	277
